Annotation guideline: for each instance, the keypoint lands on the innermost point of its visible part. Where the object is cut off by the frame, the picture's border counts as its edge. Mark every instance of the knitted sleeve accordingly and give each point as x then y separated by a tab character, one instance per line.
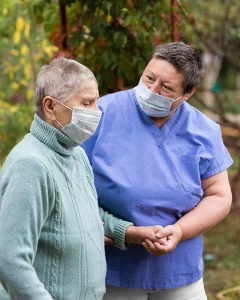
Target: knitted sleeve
114	228
25	193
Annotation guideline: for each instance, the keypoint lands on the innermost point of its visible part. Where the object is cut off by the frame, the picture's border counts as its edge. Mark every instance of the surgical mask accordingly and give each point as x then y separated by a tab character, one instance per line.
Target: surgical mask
152	104
83	124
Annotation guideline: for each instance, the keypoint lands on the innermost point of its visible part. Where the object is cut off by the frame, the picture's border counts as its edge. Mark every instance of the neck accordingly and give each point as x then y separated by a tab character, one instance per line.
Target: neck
161	121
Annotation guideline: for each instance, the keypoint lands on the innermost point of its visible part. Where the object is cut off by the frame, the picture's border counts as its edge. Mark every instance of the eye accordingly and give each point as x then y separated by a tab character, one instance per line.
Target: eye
149	78
89	103
167	88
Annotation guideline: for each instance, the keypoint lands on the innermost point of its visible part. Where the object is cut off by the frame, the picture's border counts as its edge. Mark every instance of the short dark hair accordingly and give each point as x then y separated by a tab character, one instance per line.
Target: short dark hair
185	58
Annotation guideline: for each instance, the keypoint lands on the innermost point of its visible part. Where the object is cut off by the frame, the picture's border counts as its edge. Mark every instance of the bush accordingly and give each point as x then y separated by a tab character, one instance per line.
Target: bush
15	121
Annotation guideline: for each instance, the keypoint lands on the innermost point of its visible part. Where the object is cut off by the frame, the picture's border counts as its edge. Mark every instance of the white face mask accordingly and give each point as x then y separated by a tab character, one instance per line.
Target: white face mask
83	124
152	104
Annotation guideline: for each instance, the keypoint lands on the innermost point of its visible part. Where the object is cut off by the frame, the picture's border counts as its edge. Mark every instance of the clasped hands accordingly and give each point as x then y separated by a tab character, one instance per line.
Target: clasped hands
157	240
164	239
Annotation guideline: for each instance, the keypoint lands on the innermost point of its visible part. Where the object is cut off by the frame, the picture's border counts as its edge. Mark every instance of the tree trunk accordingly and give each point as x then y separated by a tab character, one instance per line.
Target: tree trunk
175	20
212	64
63	25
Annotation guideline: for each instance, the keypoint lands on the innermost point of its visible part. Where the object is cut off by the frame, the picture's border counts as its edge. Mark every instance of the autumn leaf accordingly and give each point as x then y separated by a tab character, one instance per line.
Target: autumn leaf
20	24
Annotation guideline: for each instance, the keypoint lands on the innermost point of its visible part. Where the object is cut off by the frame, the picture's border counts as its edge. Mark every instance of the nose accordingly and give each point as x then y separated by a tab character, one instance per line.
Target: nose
95	107
155	88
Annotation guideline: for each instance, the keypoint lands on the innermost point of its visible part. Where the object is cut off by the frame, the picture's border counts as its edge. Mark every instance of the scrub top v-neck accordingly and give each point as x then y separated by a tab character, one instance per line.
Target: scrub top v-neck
151	176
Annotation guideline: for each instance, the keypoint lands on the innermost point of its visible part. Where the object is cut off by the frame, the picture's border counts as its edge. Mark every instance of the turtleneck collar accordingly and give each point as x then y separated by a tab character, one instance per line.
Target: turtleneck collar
52	137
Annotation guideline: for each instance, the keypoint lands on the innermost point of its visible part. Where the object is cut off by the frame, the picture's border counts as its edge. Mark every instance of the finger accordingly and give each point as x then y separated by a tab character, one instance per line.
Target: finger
150	245
154	247
151	248
145	246
156	233
171	245
108	241
151	236
168	230
157	229
163	241
157	247
161	248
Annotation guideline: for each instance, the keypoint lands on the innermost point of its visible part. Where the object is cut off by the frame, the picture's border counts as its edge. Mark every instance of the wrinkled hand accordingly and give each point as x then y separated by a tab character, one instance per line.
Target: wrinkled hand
108	240
138	234
168	238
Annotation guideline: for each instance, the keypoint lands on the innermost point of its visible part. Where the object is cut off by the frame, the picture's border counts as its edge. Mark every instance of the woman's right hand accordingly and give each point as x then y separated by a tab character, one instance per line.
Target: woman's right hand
169	237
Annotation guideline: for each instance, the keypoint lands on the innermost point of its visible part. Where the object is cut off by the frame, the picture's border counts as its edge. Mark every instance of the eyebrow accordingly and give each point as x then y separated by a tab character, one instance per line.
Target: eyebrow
165	80
89	98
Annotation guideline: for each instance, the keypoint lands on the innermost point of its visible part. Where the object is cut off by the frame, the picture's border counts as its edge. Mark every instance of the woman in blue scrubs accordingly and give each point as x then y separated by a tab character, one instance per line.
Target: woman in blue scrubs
158	160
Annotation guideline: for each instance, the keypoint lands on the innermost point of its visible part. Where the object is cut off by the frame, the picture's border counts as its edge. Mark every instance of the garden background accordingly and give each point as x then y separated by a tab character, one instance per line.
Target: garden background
114	39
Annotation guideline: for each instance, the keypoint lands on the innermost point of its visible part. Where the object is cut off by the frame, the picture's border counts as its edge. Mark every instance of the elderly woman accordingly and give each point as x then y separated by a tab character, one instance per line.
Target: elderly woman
51	233
158	160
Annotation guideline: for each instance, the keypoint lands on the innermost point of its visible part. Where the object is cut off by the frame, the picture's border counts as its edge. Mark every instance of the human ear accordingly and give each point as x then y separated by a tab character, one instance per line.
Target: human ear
49	108
189	95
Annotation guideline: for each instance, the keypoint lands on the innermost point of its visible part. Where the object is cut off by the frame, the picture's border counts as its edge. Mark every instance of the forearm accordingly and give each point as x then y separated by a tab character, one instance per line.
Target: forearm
210	211
24	206
18	275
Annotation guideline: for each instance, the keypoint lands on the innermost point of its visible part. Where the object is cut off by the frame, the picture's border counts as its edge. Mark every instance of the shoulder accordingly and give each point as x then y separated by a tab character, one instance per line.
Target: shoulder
111	100
26	158
198	120
204	136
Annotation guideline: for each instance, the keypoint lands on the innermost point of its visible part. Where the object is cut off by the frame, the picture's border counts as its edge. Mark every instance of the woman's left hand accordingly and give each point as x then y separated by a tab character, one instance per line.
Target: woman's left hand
168	239
108	241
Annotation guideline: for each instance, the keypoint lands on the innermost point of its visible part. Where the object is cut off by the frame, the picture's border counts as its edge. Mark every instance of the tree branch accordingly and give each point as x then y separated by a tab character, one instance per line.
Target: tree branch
63	24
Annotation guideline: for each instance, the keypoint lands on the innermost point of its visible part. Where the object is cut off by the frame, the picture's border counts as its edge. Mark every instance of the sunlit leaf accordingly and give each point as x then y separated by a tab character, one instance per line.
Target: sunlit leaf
16	37
24	50
27	30
30	94
14	52
20	24
15	86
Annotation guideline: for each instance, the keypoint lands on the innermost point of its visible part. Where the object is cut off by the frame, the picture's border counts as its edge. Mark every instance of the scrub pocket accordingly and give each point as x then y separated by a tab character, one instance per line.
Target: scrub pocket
190	174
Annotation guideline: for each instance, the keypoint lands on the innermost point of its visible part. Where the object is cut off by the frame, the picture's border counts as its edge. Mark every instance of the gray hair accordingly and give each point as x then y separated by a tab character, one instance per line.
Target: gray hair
60	79
186	59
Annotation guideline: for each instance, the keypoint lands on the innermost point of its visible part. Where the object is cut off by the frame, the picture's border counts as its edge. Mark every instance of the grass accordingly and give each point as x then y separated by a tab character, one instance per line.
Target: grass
222	269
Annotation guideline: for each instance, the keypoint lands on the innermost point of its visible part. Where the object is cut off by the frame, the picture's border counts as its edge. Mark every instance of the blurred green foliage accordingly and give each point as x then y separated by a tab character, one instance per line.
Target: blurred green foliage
15	121
222	272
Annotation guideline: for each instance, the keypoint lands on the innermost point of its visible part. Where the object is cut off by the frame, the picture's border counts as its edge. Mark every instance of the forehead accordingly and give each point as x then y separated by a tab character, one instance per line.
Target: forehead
164	70
88	91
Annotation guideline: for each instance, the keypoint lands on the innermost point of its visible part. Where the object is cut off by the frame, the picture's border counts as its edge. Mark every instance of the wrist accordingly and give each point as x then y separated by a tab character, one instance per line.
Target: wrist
130	235
179	232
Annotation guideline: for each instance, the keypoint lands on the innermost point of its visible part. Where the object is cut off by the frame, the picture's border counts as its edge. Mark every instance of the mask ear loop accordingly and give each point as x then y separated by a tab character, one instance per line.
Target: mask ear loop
178	98
177	106
59	123
62	104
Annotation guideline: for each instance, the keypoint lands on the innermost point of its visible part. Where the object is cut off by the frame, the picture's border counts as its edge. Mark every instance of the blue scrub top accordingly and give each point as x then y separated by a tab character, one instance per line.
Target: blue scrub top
151	176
